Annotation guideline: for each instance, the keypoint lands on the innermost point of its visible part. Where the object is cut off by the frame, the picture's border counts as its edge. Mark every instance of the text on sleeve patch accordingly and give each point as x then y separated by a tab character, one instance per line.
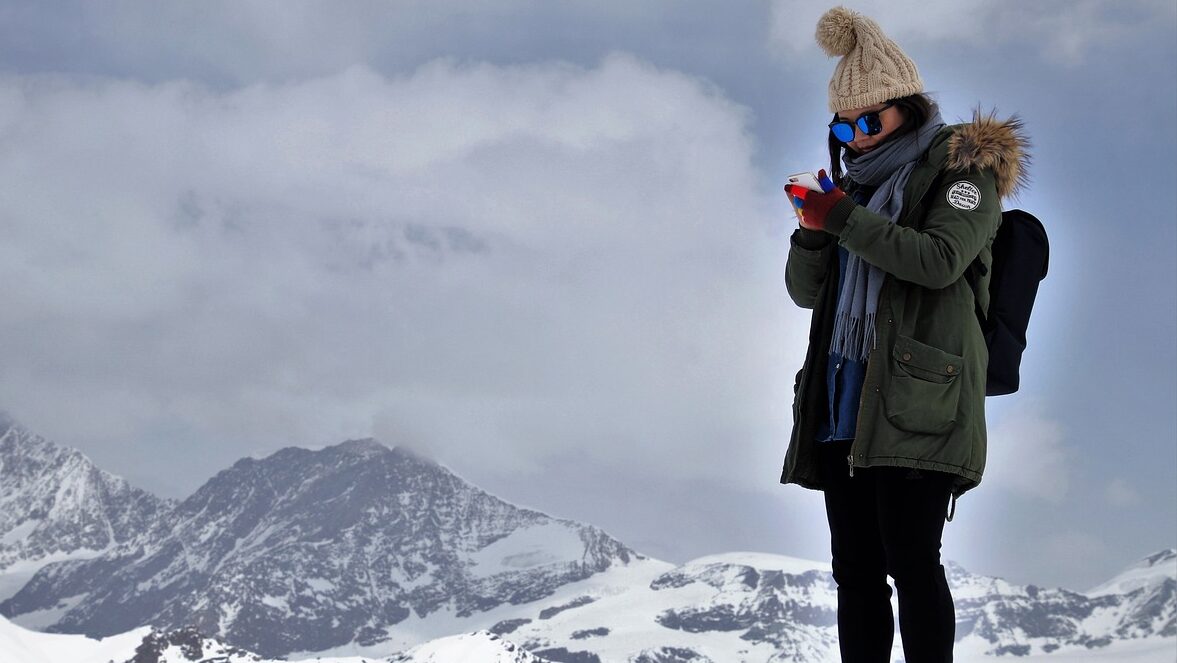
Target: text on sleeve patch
964	195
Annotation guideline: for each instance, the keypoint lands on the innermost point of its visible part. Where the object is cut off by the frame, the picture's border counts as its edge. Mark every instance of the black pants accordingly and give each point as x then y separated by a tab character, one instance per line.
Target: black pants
888	521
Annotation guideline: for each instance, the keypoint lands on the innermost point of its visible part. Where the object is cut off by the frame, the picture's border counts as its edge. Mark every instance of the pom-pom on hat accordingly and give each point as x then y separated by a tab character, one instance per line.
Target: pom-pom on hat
873	69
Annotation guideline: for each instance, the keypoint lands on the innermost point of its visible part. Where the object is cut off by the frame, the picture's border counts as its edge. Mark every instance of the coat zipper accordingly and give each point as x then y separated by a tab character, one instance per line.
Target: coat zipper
858	420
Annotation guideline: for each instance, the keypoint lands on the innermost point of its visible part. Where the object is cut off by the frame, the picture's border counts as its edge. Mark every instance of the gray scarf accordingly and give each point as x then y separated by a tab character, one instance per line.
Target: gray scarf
887	167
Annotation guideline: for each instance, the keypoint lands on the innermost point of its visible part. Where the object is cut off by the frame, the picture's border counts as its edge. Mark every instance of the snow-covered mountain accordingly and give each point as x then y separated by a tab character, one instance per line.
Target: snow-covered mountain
1149	573
759	607
146	645
715	609
1140	603
358	552
309	550
737	608
56	505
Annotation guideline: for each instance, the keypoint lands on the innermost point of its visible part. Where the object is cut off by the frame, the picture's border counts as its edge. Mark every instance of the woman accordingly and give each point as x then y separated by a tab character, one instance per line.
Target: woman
889	415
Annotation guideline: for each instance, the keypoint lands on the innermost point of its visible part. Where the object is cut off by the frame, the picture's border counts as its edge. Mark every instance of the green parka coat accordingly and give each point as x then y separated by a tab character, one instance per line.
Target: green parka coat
923	399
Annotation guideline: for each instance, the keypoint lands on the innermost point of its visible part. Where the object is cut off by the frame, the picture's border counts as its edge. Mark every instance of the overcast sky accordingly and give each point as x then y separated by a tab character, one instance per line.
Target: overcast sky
544	243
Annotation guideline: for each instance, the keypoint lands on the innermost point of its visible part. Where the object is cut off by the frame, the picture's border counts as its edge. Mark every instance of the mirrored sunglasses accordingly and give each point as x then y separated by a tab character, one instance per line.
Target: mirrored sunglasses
868	123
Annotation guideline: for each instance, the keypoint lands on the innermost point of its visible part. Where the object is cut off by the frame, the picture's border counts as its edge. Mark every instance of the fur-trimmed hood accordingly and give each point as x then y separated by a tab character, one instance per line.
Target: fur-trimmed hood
1000	145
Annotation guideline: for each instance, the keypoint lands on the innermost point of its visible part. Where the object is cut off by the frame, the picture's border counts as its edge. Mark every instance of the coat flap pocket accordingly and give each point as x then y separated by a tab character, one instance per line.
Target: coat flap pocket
925	361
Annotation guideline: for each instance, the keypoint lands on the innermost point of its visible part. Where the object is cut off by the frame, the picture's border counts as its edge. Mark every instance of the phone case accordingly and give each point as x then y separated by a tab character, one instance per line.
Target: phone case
806	180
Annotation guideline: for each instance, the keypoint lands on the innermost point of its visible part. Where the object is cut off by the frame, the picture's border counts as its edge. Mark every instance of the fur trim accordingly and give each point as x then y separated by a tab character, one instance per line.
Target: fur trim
999	145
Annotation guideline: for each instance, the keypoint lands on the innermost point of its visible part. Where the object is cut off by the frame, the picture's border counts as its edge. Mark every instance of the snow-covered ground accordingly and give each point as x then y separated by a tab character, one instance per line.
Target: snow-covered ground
481	646
618	580
19	645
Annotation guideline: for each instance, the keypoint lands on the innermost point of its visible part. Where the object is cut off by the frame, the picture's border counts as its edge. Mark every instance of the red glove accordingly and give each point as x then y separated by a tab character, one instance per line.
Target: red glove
815	205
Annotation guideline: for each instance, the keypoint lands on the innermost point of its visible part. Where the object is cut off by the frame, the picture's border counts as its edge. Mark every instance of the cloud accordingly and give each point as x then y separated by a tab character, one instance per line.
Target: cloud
1064	30
1028	455
230	42
495	263
1121	493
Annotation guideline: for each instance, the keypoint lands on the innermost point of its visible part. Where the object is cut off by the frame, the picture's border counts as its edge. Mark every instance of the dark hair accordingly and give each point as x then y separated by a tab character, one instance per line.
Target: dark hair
917	108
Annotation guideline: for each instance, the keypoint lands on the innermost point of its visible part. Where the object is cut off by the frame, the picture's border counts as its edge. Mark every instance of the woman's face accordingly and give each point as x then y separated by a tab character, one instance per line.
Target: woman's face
891	118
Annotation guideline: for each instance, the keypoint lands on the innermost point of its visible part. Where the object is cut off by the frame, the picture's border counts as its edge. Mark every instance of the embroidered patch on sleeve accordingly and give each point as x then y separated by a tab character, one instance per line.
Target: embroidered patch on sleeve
964	195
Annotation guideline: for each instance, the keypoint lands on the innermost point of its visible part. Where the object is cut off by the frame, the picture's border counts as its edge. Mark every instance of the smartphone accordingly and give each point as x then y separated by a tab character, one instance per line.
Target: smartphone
807	181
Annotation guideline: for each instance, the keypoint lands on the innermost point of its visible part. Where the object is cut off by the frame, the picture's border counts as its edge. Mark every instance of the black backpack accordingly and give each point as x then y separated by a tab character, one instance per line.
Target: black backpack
1020	256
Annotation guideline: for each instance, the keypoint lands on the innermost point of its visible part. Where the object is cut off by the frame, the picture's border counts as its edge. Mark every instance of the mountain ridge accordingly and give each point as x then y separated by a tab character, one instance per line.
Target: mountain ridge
369	534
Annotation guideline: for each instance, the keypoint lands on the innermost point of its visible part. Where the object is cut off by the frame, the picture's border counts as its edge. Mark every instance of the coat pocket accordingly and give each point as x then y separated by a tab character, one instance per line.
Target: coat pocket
925	387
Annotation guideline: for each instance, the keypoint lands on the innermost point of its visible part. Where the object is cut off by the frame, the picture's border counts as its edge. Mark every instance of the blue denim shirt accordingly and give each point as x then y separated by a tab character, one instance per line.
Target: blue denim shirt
844	379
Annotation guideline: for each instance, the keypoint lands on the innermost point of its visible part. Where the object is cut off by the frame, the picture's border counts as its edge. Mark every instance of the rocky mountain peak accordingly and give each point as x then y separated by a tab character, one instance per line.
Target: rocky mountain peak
370	536
55	503
1161	557
365	446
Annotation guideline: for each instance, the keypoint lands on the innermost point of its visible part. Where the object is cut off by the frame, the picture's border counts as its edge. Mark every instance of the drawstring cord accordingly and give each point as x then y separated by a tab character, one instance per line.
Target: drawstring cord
952	511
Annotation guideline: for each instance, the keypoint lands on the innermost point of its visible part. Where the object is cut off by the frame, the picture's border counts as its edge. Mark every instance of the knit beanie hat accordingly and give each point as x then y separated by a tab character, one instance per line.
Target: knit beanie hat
873	69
